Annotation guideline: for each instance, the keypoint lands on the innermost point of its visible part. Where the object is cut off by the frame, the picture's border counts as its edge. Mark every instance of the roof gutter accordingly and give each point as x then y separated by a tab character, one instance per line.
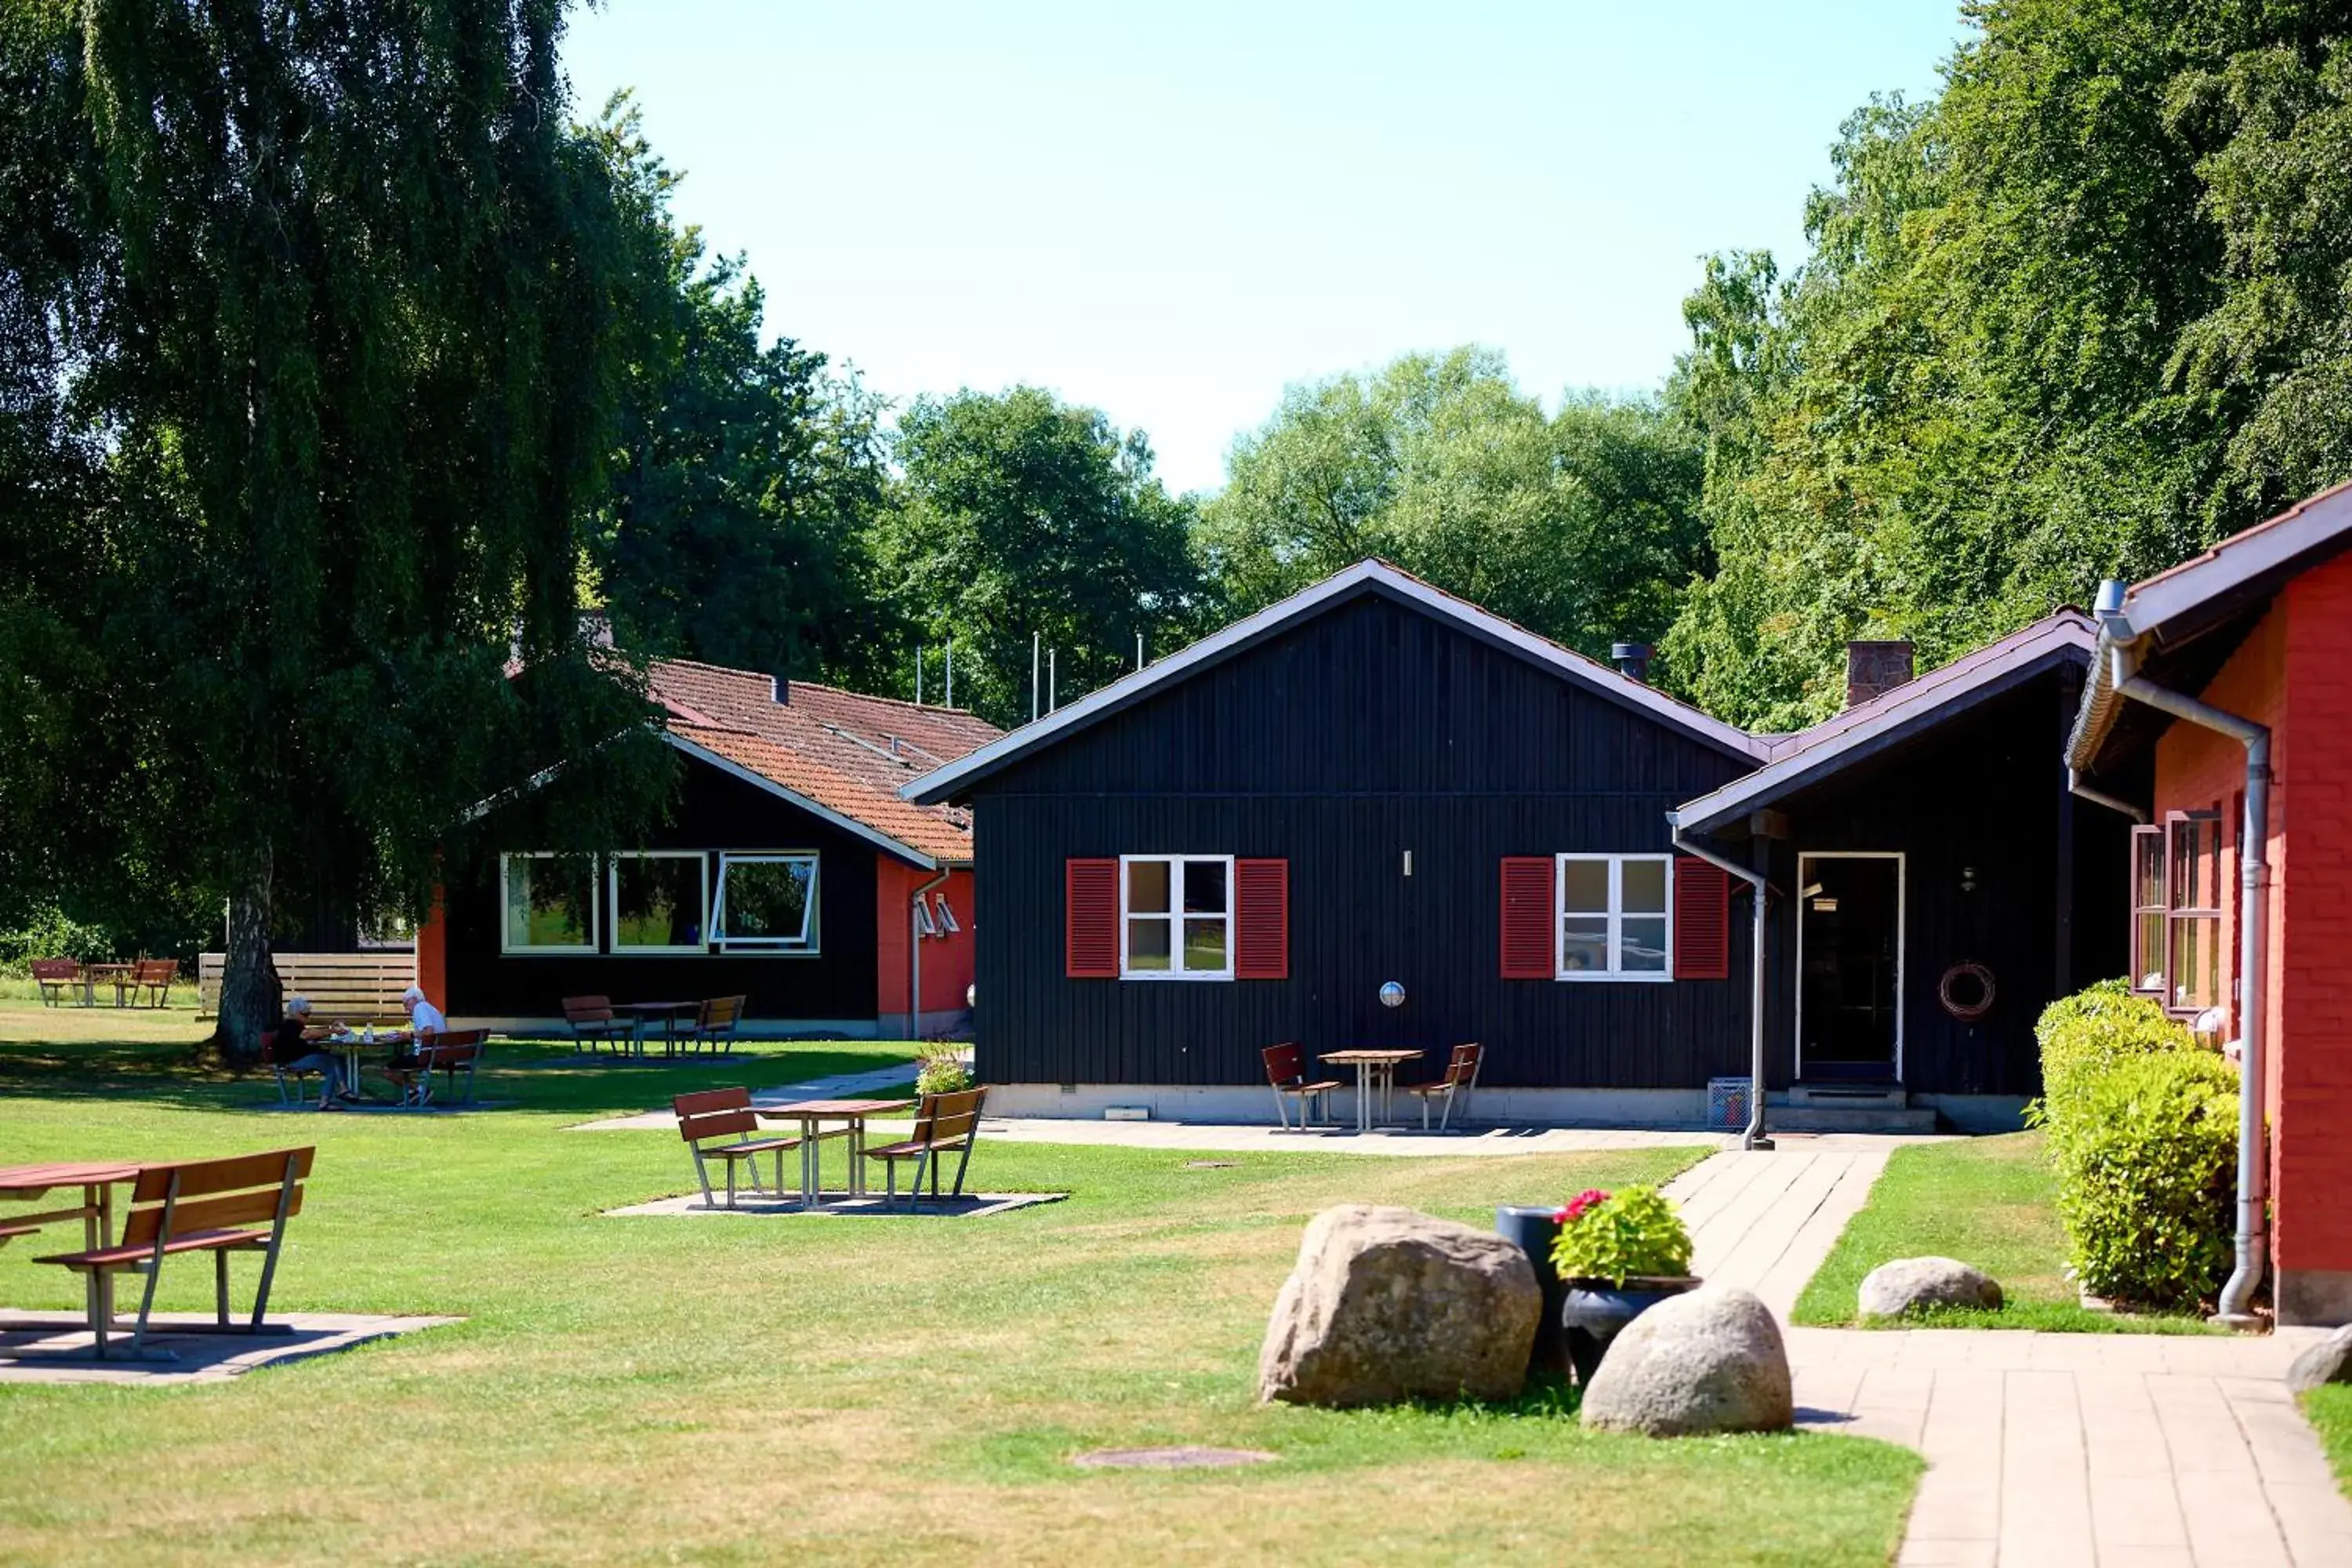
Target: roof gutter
2120	681
1754	1136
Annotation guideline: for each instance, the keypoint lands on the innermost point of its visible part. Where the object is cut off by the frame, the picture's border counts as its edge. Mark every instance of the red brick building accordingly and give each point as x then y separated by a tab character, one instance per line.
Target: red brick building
2231	665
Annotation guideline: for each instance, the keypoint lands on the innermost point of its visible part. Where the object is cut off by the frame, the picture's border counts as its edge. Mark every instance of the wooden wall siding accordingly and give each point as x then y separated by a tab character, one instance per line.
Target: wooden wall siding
1368	732
714	812
1985	794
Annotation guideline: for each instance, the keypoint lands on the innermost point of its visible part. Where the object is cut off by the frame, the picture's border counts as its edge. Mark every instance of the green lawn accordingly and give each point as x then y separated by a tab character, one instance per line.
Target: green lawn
1988	1202
731	1391
2330	1410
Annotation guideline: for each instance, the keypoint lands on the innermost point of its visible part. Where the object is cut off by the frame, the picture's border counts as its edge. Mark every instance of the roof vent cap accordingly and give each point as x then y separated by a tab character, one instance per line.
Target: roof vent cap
2111	598
1632	659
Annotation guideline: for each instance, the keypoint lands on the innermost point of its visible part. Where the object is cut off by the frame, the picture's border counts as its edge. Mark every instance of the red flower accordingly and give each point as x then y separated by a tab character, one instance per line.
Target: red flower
1575	1209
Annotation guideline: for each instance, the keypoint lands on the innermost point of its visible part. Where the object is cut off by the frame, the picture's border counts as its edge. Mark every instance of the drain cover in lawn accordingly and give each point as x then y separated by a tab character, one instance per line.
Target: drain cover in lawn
1185	1458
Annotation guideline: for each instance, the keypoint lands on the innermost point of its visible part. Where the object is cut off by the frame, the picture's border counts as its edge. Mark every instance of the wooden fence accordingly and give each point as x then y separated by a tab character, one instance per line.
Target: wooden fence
350	986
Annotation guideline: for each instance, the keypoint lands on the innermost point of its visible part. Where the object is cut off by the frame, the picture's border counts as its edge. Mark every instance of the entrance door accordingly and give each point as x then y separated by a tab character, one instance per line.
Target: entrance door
1850	966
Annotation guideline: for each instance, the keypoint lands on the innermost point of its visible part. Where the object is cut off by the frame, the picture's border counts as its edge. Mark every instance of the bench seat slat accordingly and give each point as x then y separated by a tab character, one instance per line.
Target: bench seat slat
745	1151
913	1147
192	1241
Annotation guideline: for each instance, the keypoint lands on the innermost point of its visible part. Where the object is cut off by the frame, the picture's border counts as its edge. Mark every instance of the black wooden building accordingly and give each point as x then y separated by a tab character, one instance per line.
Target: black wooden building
1376	782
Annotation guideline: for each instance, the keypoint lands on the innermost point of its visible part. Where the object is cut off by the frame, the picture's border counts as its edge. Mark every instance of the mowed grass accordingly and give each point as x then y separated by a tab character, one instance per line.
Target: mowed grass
733	1391
2330	1410
1988	1202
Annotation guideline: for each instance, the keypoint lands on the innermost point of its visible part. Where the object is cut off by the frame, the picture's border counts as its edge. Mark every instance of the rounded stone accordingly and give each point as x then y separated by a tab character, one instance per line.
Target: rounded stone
1910	1284
1712	1360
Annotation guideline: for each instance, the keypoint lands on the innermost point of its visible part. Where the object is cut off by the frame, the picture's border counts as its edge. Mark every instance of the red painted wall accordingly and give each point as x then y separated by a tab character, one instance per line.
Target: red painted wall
2295	674
433	955
946	960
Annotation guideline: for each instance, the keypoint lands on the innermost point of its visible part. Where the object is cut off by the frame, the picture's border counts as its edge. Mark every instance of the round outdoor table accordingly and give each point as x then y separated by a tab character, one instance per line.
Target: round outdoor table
669	1013
96	1212
812	1114
1374	1069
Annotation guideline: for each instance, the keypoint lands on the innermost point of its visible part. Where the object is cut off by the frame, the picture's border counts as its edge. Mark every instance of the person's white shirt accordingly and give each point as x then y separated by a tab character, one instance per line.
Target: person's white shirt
423	1015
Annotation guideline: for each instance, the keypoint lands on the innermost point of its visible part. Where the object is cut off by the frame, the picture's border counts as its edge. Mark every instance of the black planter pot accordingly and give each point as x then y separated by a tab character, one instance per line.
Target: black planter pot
1593	1312
1533	1228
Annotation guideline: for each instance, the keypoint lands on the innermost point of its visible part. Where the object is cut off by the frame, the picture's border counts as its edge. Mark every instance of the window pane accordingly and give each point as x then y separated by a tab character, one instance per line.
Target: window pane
656	901
1584	943
1646	886
2196	962
1147	887
1204	946
1584	887
767	900
547	902
1204	887
2147	871
1147	944
2147	953
1641	945
2196	863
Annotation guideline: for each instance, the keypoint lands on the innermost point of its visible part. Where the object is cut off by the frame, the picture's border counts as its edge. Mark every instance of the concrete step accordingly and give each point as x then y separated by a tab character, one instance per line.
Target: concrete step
1846	1096
1850	1119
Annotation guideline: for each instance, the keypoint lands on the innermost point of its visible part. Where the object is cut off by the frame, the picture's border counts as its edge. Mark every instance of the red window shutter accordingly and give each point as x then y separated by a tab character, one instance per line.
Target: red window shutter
1527	921
1261	920
1702	920
1090	920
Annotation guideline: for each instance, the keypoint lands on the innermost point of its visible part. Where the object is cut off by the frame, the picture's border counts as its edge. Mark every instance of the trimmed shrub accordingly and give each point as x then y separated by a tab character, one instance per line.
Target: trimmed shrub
2143	1126
942	1073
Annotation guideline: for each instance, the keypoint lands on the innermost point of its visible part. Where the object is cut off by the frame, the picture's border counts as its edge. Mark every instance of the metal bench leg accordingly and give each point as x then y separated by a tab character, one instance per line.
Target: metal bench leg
915	1187
146	1305
730	1183
220	1285
1282	1111
703	1175
961	1166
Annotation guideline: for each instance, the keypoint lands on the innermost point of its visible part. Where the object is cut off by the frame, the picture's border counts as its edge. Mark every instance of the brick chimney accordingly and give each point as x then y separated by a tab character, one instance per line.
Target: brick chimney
1874	668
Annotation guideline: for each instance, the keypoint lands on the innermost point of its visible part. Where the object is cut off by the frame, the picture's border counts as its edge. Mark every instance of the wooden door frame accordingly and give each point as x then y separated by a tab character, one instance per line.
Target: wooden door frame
1902	940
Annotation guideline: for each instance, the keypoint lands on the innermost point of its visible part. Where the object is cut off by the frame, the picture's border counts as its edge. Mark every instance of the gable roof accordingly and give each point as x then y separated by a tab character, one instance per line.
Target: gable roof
1367	577
1893	717
839	754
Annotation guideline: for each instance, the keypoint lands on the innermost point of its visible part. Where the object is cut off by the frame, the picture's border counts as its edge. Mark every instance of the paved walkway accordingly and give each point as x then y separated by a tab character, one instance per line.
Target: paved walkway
2042	1448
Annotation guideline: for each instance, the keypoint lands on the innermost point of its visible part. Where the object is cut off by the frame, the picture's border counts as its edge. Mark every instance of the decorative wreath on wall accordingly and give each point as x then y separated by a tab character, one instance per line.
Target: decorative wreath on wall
1967	992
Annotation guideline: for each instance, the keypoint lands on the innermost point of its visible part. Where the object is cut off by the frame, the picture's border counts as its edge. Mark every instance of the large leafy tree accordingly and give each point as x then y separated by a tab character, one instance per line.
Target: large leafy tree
330	292
2079	316
747	477
1583	525
1017	516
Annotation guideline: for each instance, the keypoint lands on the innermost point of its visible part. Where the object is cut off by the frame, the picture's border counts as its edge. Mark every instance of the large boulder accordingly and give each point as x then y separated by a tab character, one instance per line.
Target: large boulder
1711	1361
1387	1304
2329	1360
1908	1284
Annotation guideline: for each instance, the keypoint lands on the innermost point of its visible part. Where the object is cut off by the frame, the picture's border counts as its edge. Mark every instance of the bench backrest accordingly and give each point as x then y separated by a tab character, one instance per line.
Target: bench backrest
721	1012
1462	1068
1285	1064
947	1117
56	969
715	1113
451	1048
214	1194
157	970
588	1009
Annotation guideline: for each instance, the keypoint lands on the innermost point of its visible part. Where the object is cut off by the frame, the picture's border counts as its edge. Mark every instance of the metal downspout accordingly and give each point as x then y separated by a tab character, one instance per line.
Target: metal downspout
915	954
1754	1136
2100	797
2253	1171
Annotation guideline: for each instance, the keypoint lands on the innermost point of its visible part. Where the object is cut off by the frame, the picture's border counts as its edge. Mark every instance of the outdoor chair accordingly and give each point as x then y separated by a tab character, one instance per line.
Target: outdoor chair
218	1207
727	1113
154	977
1461	1077
1285	1069
445	1053
593	1021
291	1093
944	1123
714	1022
55	976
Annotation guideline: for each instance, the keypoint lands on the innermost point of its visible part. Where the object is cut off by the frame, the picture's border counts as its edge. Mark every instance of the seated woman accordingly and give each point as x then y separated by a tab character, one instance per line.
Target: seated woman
291	1049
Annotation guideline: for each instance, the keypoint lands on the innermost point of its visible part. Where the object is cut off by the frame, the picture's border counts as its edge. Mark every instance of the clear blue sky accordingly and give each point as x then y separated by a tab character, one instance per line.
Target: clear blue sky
1170	212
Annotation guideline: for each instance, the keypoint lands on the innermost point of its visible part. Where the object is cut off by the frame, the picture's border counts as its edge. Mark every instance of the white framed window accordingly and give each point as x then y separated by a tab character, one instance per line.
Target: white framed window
766	902
661	900
1616	917
547	903
949	925
1176	917
925	926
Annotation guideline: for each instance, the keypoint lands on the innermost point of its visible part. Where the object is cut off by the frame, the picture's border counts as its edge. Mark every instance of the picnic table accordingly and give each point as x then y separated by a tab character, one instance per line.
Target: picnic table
350	1043
1375	1073
118	975
812	1114
645	1012
29	1183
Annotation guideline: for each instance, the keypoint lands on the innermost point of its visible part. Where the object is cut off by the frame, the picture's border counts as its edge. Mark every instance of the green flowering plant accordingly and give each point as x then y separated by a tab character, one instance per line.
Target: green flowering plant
1633	1233
942	1073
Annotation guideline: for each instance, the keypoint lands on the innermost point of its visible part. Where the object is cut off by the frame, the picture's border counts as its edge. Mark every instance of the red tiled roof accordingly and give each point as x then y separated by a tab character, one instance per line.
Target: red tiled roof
847	751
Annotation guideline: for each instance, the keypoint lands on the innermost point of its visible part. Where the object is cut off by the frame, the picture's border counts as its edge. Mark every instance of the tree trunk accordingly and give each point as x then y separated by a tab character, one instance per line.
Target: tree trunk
249	994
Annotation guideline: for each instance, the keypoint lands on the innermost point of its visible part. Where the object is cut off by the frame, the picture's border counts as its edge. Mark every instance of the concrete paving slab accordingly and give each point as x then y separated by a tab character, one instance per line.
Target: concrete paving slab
195	1357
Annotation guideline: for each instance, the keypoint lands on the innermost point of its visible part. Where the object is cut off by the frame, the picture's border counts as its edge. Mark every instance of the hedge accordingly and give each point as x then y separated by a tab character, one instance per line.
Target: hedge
2143	1126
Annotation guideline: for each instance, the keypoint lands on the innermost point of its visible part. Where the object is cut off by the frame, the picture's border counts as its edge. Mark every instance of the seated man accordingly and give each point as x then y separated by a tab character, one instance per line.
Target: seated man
423	1018
291	1049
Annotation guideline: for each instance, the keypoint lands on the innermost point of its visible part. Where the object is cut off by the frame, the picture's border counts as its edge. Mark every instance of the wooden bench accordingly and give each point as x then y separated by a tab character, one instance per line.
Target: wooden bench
715	1022
944	1122
202	1206
593	1020
154	976
444	1053
55	976
728	1113
1461	1077
1285	1069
